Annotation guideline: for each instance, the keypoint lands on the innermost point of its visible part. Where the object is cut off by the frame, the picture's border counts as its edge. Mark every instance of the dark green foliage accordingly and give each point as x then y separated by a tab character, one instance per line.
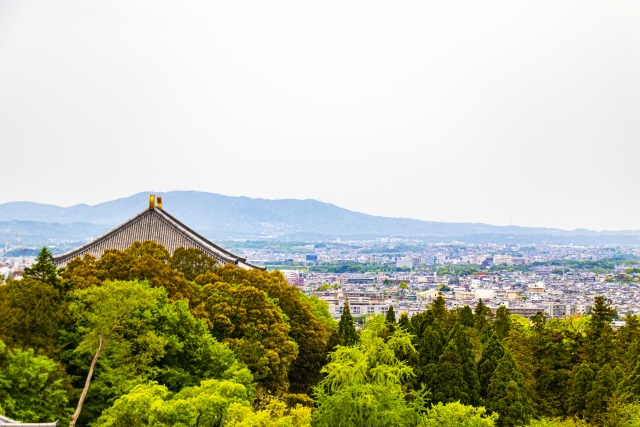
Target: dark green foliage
466	316
43	269
630	387
580	388
491	355
465	350
507	394
346	327
502	323
450	385
482	319
391	316
598	398
404	322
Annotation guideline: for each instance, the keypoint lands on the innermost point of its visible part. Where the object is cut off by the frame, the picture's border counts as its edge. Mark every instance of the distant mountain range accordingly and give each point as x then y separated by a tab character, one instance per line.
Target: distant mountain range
224	217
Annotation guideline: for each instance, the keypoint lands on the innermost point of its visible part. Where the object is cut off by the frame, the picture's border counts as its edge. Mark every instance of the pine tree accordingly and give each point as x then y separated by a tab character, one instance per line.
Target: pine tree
404	322
598	398
430	347
502	323
43	269
465	350
482	315
466	316
346	327
581	386
507	394
450	385
391	316
630	387
491	355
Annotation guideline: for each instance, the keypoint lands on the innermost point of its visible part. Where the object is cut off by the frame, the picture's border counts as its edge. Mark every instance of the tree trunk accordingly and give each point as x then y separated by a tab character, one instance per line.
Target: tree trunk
75	416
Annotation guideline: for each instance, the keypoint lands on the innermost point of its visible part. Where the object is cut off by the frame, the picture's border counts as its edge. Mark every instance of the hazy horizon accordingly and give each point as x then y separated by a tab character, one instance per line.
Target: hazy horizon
496	112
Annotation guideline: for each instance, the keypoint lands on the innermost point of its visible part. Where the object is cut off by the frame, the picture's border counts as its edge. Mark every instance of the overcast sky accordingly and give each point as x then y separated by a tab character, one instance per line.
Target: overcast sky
511	112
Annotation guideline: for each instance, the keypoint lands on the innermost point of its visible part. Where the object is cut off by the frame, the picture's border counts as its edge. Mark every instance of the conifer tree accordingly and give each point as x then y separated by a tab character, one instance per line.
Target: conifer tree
598	398
502	323
438	309
630	387
43	269
491	355
470	369
580	388
466	316
346	327
482	315
450	385
391	316
404	322
507	394
430	347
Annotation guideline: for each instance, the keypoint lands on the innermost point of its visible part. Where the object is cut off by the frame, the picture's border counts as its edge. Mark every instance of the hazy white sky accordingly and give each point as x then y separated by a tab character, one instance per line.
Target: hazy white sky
510	112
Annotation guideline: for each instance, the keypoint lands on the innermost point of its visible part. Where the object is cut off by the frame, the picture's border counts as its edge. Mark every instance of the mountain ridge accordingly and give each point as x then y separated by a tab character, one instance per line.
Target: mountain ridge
244	217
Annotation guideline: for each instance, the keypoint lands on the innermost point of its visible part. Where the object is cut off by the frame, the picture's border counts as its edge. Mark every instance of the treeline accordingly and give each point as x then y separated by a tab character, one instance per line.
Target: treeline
141	337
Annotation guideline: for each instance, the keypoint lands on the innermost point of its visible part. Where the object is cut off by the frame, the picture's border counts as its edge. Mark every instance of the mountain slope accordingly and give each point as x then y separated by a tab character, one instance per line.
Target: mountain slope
225	216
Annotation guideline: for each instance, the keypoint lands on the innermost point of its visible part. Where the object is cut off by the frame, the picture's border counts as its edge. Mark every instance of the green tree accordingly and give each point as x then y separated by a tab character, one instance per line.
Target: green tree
502	322
491	356
457	415
482	318
101	313
466	316
599	396
31	312
580	388
363	384
32	388
469	367
346	327
251	323
507	394
391	316
43	269
192	262
450	385
404	321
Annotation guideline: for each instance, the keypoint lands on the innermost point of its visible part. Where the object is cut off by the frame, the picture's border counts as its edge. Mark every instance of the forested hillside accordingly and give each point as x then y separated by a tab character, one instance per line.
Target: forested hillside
143	338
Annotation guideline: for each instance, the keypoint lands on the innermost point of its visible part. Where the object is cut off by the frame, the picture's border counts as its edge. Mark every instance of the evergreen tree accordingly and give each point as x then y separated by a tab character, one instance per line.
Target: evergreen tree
346	327
502	324
439	310
580	388
466	316
430	347
404	322
482	316
491	355
43	269
465	350
507	394
598	398
391	316
450	385
630	387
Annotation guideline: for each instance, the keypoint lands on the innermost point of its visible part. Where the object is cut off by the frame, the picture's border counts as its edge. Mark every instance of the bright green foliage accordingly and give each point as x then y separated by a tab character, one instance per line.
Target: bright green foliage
363	384
320	310
502	323
507	394
153	405
391	316
599	396
275	414
30	314
346	327
450	385
466	316
192	262
580	388
465	350
105	317
491	356
32	388
43	269
457	415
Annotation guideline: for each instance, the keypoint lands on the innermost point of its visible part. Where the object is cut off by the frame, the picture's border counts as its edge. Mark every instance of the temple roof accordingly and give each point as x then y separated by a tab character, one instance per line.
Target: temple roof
157	225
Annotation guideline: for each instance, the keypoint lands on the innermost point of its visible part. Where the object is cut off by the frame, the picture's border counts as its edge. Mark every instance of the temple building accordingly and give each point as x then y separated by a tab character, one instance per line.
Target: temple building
157	225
